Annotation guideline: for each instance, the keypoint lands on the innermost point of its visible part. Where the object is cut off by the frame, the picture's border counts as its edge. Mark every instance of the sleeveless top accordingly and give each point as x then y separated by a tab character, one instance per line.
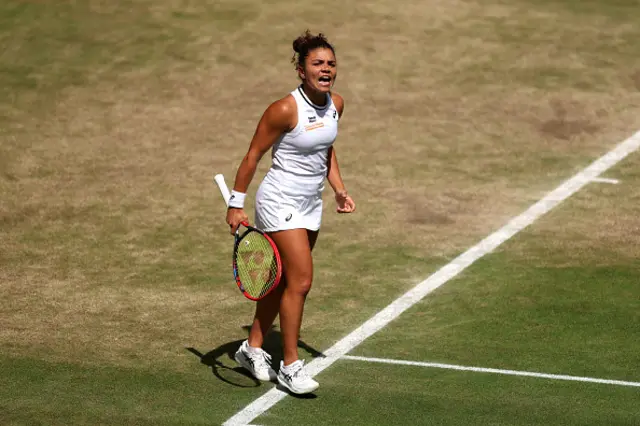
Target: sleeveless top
299	157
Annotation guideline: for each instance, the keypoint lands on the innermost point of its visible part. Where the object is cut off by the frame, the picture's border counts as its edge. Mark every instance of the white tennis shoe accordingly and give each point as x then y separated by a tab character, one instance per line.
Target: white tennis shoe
257	361
295	378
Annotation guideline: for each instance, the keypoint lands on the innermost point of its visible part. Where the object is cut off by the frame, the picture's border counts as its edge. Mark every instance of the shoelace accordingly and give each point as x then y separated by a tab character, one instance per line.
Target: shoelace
267	357
262	354
301	372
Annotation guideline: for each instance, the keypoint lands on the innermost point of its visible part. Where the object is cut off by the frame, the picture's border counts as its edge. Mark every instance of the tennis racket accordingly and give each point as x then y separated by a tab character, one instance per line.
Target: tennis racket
257	268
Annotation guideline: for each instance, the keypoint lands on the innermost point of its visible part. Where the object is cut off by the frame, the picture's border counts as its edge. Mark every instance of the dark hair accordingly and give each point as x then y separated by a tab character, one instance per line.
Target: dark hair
305	44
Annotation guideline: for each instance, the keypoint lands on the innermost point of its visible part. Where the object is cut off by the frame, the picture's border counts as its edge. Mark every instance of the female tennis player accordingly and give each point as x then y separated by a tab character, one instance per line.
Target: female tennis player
300	130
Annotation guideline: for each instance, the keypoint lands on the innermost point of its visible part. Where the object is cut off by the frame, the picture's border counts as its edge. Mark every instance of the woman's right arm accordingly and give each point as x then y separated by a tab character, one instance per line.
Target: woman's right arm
280	117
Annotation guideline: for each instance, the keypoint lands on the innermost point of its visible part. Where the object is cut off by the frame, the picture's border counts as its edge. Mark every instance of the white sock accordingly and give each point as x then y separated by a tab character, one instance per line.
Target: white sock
288	367
252	349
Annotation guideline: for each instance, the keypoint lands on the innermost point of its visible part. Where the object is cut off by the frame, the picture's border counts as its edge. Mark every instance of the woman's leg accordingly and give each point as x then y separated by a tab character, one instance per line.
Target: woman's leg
266	312
295	247
268	308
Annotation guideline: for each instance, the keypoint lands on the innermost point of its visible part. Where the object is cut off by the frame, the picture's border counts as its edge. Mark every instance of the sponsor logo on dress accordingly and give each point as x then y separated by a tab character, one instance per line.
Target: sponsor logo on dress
313	126
289	216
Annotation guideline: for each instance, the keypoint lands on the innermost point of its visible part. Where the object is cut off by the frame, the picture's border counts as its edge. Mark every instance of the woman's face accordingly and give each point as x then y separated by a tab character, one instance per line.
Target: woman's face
320	69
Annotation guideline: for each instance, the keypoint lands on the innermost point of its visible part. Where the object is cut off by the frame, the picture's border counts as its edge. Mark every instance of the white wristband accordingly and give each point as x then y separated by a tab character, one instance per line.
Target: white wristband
237	199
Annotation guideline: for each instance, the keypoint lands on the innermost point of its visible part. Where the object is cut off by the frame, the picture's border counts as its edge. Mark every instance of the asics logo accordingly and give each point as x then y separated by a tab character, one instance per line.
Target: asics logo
289	377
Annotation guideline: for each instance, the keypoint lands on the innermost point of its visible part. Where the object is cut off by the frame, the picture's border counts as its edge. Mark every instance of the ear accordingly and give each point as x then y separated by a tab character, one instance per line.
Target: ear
301	73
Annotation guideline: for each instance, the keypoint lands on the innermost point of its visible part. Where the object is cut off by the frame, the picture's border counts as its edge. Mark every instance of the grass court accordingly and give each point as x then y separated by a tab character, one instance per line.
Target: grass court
119	305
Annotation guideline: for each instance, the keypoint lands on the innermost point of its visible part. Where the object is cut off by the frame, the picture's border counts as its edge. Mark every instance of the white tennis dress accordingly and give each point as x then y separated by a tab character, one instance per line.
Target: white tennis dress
290	195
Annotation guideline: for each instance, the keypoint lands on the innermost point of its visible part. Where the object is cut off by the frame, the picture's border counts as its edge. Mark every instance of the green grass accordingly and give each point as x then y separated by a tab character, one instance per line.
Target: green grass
41	392
115	257
380	395
510	314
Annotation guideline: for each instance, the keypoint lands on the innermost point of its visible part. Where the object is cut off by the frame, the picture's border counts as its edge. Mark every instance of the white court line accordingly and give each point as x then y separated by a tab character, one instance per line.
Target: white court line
494	371
606	180
444	274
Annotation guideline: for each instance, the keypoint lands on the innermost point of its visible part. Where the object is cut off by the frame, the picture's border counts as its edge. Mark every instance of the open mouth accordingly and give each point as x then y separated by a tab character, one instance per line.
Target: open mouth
325	80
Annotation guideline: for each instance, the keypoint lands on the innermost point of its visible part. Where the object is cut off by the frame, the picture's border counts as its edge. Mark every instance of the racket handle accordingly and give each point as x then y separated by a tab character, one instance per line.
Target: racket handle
224	190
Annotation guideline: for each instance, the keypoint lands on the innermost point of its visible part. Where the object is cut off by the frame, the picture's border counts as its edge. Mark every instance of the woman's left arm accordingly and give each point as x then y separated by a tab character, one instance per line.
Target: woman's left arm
345	203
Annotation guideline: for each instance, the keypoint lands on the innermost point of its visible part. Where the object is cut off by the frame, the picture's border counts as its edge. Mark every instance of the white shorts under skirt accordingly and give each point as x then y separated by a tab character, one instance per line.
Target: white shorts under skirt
279	208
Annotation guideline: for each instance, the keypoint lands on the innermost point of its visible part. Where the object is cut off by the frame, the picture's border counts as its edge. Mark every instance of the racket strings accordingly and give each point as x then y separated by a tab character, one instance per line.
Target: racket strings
256	264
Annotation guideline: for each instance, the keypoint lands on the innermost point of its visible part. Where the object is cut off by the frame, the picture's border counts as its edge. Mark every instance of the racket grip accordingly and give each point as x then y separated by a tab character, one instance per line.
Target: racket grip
224	190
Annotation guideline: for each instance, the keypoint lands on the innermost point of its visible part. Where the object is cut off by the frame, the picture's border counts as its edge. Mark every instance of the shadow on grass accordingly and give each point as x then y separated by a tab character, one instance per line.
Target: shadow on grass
225	368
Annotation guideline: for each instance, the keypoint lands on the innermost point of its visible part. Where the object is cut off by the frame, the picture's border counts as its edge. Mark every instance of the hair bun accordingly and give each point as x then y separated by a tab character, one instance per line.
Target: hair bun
307	42
297	44
300	42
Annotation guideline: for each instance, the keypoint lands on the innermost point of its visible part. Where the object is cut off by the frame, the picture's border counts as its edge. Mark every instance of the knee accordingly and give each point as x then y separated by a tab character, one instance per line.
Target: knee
301	286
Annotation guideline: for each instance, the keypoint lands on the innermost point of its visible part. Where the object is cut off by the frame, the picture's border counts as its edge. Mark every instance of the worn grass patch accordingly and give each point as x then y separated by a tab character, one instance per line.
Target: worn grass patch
597	226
